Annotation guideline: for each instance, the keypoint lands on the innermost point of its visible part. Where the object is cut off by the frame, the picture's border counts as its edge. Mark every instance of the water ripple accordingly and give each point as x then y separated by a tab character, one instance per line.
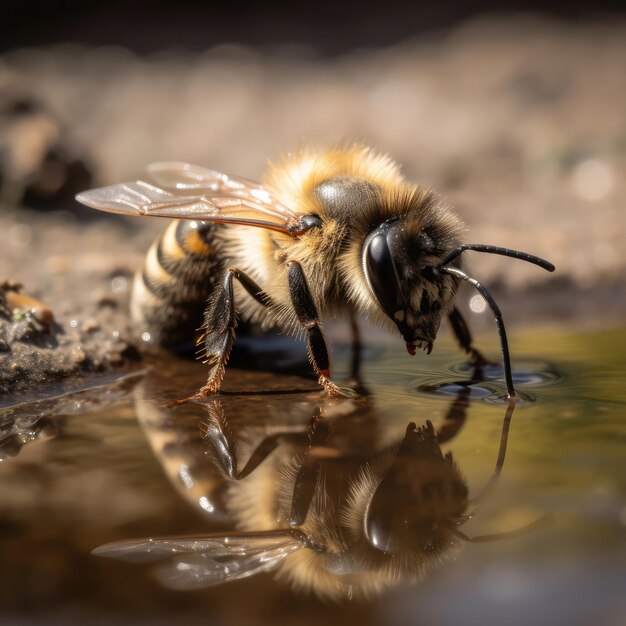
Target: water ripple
487	383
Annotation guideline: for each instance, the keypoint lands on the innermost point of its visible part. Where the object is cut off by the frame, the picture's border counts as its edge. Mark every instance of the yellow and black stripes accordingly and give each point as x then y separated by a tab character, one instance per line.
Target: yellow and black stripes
171	290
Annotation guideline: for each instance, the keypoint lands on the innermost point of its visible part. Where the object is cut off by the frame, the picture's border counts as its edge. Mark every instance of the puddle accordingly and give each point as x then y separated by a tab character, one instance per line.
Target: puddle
274	494
488	383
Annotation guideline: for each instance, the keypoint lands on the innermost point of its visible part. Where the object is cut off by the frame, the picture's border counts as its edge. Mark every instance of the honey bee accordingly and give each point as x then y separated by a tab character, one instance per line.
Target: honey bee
329	232
332	498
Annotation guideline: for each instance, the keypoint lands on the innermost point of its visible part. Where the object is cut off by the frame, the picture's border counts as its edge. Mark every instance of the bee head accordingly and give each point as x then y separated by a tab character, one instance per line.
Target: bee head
419	497
400	259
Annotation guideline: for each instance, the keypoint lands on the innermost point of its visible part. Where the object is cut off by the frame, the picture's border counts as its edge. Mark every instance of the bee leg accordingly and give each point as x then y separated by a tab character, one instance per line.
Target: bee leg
356	381
464	337
504	439
457	413
306	312
220	322
455	416
223	444
307	476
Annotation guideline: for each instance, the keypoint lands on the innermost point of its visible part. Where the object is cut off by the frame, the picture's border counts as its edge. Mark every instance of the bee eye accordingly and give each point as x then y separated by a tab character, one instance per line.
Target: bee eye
380	271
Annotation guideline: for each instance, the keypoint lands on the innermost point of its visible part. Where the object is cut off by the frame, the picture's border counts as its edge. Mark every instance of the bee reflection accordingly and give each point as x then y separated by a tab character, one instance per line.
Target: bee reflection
318	501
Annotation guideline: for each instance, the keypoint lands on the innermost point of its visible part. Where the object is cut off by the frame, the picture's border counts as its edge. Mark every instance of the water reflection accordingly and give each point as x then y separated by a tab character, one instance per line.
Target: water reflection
321	493
41	419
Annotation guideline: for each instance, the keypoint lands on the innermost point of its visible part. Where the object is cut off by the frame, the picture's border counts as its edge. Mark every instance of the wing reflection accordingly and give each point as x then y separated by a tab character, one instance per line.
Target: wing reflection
316	492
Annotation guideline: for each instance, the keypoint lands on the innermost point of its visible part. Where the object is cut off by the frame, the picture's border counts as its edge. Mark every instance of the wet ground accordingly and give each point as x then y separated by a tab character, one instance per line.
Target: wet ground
113	463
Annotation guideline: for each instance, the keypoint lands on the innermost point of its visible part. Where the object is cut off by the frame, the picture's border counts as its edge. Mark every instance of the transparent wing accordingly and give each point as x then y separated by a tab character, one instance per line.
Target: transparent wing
177	176
192	563
185	191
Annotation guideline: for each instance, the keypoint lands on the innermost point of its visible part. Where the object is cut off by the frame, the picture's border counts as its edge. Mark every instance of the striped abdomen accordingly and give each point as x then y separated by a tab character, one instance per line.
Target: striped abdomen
171	289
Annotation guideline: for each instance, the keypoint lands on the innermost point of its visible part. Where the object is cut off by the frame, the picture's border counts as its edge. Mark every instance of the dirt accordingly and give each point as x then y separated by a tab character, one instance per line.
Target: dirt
86	335
518	122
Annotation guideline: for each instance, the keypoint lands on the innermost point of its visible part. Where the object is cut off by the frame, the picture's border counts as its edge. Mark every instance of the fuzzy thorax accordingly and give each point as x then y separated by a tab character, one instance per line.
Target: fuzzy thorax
352	190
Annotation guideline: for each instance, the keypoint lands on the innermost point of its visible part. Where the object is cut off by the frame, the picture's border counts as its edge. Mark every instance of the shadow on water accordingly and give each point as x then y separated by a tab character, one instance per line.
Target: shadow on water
343	499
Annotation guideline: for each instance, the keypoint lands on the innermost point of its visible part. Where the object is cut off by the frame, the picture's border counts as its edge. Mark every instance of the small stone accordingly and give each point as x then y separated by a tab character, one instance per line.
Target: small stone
90	326
107	302
115	358
130	352
122	352
79	356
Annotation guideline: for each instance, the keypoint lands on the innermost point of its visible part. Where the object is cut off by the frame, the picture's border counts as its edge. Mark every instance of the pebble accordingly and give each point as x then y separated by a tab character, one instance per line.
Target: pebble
79	356
90	326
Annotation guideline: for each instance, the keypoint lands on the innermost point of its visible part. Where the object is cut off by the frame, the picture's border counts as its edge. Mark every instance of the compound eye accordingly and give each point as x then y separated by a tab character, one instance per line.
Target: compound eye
381	272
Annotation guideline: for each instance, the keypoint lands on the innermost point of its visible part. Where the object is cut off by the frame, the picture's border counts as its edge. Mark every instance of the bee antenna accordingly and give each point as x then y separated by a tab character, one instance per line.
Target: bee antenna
515	254
541	522
504	438
504	344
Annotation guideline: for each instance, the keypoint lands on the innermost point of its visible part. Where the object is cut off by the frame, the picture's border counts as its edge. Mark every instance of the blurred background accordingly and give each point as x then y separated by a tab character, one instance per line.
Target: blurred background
513	111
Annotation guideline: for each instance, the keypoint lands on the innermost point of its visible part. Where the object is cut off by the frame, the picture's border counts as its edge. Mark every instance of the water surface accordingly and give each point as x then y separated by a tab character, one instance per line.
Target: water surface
111	463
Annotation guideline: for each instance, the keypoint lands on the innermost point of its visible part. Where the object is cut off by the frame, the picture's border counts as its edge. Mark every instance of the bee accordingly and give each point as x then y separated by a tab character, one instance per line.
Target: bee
329	233
332	498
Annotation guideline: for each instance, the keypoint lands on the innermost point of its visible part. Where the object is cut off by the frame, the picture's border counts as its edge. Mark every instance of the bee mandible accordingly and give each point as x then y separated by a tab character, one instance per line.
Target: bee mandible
330	232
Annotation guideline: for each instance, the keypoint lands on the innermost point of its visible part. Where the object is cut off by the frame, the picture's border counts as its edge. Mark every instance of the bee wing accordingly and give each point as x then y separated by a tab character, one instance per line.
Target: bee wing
195	562
185	191
177	176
